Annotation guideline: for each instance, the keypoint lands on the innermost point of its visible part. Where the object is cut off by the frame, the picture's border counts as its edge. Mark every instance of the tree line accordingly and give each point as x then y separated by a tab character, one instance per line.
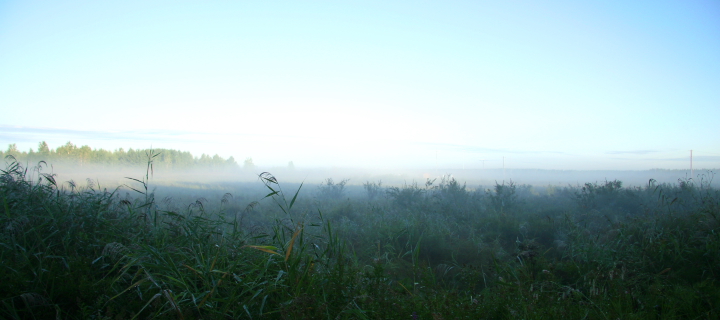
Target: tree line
84	156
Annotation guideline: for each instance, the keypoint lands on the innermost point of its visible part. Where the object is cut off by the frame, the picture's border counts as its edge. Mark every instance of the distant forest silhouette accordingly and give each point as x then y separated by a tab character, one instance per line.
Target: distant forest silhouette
84	155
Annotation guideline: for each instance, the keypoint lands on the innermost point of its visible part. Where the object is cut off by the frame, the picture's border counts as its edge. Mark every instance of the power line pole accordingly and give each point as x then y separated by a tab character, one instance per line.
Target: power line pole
692	173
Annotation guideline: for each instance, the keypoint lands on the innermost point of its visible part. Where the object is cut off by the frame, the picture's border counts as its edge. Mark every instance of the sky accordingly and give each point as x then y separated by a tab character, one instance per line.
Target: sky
571	85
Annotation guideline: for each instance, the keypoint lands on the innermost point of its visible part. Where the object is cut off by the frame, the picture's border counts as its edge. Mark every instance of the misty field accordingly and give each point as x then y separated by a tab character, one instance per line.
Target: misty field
423	250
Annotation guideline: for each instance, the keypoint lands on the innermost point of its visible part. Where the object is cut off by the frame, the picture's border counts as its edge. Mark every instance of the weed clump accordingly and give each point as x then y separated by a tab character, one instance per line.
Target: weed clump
331	190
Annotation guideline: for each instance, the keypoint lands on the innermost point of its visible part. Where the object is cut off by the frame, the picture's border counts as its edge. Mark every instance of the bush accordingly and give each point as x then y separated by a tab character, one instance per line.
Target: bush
373	189
407	195
503	196
331	190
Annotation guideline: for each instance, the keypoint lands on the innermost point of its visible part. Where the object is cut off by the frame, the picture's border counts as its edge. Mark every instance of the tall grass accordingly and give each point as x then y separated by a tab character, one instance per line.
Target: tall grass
438	251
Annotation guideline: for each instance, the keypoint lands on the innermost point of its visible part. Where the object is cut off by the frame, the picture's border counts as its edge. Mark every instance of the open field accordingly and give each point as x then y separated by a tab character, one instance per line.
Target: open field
432	160
435	249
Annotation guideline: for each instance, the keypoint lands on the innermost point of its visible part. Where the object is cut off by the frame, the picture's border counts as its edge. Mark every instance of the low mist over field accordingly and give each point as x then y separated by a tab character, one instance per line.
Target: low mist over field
313	176
176	167
231	177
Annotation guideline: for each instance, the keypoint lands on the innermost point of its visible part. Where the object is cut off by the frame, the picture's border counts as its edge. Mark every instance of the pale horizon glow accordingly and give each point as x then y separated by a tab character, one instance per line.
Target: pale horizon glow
596	85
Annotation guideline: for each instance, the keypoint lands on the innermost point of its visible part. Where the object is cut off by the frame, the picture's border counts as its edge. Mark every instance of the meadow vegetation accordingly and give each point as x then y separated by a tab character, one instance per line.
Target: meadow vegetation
432	250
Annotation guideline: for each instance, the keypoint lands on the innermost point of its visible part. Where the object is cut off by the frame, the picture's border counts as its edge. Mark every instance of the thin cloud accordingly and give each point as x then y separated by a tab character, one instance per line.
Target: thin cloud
32	134
632	152
482	149
683	159
695	158
69	133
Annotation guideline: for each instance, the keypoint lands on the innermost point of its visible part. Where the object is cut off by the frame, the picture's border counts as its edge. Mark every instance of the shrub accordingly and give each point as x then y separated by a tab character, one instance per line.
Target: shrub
331	190
503	196
373	189
407	195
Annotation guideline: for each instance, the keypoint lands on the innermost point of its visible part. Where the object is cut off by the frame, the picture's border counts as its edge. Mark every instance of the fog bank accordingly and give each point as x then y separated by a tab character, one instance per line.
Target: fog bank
115	176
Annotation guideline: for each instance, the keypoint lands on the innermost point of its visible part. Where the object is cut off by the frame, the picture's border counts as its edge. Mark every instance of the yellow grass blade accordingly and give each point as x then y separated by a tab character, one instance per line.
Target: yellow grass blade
268	249
292	241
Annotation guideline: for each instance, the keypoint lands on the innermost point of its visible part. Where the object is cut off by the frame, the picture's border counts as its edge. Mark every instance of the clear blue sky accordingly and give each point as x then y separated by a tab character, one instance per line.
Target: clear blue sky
545	84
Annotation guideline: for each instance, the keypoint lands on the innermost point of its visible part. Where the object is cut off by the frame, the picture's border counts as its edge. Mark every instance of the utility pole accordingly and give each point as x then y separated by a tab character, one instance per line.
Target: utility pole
692	173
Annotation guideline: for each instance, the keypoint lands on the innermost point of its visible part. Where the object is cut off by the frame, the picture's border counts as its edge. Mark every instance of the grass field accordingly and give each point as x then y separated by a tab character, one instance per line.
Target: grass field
432	250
